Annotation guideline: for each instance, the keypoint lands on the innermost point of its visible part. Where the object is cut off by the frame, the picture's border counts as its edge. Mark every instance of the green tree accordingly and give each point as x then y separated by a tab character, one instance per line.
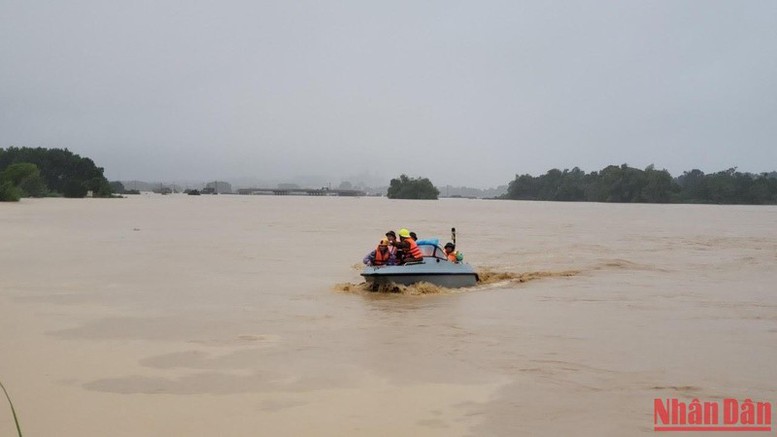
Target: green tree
572	186
16	173
412	188
761	192
611	184
9	192
33	185
117	187
61	170
523	187
22	180
693	186
27	178
627	184
658	186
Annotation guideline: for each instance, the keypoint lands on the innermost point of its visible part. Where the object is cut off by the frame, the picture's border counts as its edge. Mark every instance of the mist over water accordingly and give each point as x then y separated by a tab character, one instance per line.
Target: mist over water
186	315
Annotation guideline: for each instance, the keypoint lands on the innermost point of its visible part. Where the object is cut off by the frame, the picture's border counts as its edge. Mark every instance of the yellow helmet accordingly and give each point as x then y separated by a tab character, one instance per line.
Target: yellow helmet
383	242
404	233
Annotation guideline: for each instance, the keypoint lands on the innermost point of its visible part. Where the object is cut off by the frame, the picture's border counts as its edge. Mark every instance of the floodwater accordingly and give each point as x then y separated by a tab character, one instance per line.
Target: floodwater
240	315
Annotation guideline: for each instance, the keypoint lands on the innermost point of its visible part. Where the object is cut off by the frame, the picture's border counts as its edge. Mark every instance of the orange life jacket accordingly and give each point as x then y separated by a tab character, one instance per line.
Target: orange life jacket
381	258
453	257
413	250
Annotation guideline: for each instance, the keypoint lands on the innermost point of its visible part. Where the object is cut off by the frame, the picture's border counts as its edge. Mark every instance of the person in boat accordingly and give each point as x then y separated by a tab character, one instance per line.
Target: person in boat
410	251
381	256
391	236
453	255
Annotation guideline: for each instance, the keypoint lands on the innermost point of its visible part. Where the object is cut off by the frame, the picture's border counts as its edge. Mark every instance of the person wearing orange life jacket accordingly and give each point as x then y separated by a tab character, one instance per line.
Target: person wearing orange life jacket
453	255
410	251
381	256
391	236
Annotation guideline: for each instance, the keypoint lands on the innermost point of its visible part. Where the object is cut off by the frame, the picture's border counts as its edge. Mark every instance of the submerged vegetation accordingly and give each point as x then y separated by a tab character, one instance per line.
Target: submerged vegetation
412	188
39	172
628	184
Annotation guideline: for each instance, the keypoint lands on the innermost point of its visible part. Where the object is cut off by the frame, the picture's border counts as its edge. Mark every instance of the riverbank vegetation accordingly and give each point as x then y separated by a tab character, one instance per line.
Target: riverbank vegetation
628	184
39	172
412	188
21	180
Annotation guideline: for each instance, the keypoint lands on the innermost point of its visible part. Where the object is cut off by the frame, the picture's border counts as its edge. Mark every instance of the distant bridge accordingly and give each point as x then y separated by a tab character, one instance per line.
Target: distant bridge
300	192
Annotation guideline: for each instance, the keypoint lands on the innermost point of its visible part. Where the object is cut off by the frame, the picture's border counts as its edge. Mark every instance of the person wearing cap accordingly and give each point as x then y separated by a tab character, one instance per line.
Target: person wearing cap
410	251
381	256
452	254
391	236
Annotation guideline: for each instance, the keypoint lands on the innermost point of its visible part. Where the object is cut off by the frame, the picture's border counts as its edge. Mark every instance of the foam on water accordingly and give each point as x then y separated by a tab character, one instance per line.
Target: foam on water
488	276
417	289
487	279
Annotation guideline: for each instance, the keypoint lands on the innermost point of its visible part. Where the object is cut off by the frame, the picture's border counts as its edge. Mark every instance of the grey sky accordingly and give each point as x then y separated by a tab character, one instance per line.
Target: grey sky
466	93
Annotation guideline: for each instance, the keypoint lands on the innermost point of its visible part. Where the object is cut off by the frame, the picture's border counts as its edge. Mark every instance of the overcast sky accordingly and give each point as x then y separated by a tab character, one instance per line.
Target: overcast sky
466	93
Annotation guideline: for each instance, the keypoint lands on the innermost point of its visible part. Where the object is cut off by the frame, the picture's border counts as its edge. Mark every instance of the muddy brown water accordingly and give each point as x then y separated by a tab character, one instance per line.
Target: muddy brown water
242	315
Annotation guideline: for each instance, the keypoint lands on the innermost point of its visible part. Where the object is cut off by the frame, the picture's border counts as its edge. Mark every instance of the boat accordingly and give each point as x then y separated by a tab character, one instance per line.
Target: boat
434	269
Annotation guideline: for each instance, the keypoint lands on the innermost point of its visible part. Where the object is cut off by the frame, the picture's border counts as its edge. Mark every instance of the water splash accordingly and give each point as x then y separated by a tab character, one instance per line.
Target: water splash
417	289
487	279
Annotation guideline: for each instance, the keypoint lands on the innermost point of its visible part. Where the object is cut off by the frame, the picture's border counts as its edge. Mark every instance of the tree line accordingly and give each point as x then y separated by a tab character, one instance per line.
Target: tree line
628	184
406	187
39	172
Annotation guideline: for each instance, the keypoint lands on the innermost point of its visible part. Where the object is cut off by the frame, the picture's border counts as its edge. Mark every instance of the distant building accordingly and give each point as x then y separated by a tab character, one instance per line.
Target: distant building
218	187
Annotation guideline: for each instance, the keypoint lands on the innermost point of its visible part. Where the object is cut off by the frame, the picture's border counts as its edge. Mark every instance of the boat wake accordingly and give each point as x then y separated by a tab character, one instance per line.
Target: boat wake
417	289
488	279
491	277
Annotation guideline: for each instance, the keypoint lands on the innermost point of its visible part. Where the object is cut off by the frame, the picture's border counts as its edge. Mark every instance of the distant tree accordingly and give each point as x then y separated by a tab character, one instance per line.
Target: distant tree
658	186
345	185
9	192
16	173
62	171
693	186
116	187
572	186
412	188
22	180
549	184
721	187
34	186
627	184
523	187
